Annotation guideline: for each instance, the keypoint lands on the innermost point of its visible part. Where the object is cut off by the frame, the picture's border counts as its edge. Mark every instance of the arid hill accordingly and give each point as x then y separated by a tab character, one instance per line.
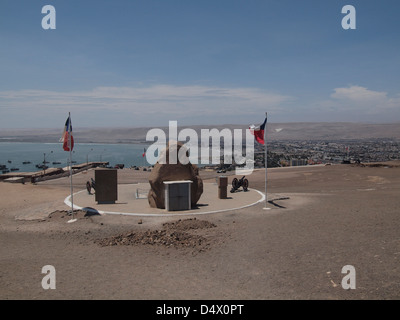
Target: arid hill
276	131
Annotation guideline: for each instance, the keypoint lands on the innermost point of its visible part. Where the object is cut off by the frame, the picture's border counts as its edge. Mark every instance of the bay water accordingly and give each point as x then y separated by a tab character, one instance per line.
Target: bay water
25	156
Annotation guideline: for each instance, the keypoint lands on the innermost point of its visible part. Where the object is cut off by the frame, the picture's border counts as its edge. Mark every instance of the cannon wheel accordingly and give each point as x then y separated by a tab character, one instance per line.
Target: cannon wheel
245	184
235	183
88	187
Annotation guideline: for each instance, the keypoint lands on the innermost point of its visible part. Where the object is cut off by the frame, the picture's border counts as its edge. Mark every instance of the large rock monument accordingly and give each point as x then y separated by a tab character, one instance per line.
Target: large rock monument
173	172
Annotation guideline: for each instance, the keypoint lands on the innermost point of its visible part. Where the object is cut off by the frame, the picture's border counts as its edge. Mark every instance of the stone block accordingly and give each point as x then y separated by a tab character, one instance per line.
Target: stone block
177	195
222	187
106	185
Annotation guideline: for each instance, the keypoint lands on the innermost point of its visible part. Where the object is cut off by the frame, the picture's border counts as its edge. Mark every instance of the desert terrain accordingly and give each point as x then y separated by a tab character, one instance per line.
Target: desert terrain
276	131
322	218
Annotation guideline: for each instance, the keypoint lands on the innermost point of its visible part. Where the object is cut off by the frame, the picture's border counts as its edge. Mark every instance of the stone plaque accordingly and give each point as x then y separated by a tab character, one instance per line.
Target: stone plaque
106	185
222	187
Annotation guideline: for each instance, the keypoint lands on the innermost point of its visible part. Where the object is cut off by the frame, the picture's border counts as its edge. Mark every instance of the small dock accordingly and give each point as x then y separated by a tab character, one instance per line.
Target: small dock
50	173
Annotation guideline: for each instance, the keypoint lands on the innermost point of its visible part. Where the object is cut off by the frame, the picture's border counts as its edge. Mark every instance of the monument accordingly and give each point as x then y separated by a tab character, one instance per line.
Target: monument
170	172
106	185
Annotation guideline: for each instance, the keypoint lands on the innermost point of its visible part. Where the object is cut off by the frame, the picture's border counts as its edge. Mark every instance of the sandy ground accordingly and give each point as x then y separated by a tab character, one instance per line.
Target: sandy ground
321	219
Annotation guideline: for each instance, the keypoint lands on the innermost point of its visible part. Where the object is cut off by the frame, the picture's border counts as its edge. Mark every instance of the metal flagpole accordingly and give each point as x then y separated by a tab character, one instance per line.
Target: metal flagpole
266	161
70	166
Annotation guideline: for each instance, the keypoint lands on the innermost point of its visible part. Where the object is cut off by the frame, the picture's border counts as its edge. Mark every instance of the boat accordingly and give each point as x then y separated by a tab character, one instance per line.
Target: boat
9	161
41	166
5	171
14	169
56	162
26	162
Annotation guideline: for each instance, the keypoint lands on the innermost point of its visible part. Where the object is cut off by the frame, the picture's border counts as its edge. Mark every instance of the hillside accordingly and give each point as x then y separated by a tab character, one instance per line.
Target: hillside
276	131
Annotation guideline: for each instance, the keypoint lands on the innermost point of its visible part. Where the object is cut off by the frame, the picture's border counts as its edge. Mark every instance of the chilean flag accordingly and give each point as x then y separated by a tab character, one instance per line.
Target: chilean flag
67	134
258	132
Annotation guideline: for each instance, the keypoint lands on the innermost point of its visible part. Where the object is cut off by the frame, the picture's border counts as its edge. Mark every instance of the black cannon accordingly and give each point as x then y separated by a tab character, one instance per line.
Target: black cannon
91	185
236	184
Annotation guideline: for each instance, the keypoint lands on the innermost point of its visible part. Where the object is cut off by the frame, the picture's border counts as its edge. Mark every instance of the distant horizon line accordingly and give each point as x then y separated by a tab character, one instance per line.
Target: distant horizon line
197	125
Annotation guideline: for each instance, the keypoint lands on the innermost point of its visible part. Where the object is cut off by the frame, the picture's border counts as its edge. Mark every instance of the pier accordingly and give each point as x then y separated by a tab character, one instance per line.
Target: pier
49	173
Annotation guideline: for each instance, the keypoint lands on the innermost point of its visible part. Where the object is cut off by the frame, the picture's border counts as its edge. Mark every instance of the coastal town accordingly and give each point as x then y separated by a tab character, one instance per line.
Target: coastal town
309	152
291	153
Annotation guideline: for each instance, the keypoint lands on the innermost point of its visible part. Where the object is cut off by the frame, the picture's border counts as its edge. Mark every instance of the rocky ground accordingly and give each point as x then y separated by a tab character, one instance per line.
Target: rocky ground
176	234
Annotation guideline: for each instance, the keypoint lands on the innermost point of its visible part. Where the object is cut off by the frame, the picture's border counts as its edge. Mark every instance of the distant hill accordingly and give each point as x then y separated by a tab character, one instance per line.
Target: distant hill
276	131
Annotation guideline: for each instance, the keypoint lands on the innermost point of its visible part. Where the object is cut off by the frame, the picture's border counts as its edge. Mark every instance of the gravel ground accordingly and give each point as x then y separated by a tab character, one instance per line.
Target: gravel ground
321	219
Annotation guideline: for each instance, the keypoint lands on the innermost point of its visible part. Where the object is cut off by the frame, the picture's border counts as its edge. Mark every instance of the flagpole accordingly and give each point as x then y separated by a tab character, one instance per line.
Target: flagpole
266	162
70	167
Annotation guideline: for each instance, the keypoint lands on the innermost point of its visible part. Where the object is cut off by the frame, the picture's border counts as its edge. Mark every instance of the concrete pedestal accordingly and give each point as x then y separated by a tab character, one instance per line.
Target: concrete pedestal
106	186
177	195
222	187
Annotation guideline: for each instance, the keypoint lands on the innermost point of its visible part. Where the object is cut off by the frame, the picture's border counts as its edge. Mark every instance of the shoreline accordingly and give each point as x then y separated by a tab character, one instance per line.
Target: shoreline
52	173
55	173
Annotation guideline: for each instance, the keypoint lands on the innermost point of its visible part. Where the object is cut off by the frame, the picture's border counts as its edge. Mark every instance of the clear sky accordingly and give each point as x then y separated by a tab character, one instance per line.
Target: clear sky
134	63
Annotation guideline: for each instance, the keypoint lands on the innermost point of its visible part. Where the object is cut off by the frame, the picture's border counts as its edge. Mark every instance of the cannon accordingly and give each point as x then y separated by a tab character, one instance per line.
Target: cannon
242	182
90	185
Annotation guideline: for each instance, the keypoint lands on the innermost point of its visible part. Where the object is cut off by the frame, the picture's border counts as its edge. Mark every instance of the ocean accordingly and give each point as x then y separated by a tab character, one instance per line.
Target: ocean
16	155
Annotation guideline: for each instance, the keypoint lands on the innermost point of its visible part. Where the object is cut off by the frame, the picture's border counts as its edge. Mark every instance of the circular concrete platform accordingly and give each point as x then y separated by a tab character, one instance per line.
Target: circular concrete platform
132	200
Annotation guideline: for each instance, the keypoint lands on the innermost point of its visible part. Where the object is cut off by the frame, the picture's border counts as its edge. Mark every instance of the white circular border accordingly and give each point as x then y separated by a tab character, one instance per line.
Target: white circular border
67	201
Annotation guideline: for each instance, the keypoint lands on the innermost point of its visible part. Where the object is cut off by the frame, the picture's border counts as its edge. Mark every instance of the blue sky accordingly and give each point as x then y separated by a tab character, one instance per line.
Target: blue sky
141	63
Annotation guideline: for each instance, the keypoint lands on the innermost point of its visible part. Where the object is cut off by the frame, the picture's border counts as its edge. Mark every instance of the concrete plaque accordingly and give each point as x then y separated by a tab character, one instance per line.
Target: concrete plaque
106	185
222	187
177	195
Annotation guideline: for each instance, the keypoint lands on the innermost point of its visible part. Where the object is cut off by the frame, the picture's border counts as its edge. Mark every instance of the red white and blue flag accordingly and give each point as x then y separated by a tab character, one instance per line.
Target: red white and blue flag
67	138
258	131
144	152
